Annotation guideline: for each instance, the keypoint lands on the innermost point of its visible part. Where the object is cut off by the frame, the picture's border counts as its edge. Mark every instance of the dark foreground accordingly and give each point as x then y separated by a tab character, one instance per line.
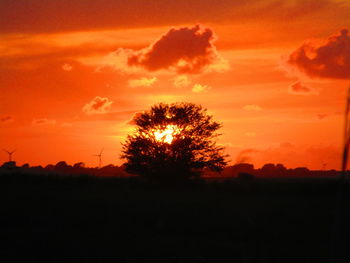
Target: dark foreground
87	219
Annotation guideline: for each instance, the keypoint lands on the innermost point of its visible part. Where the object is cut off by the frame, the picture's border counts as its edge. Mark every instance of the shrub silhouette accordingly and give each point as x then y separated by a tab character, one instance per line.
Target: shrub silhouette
173	142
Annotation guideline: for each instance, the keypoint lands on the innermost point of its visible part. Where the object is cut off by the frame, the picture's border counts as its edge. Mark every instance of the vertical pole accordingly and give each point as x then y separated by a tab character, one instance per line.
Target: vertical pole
337	254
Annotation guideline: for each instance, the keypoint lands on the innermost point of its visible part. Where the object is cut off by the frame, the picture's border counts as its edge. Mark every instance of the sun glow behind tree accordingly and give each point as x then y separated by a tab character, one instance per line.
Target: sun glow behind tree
167	135
173	141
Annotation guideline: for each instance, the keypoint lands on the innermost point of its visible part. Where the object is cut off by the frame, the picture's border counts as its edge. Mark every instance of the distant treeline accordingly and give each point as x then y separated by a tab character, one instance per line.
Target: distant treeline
244	171
247	171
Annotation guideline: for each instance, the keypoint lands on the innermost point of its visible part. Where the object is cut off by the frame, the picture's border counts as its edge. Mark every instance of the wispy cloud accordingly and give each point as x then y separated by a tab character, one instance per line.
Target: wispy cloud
198	88
252	107
44	121
182	81
67	67
67	124
142	82
6	119
98	105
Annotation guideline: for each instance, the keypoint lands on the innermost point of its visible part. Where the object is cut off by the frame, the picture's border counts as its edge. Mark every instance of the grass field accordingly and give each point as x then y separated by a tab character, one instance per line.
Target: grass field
90	219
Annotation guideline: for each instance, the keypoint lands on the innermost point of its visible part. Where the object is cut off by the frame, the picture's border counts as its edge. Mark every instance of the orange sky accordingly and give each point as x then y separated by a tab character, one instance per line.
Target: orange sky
73	73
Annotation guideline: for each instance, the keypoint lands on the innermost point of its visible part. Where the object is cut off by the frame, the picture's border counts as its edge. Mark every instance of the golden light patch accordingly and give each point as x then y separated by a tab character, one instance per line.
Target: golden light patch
166	135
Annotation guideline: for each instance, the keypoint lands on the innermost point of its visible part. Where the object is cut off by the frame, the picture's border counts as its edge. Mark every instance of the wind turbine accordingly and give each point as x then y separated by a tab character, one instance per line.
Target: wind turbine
10	154
99	158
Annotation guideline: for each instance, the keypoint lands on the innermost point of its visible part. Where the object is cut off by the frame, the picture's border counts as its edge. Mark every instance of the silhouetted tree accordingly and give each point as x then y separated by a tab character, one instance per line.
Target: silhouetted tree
242	168
62	166
301	171
79	165
173	141
50	167
25	166
9	165
268	169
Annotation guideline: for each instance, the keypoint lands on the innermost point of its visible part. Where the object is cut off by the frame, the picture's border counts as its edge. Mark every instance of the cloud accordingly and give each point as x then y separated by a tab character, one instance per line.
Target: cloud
294	155
299	88
6	119
117	60
183	50
330	59
43	121
198	88
142	82
98	105
113	116
65	15
322	115
245	155
182	81
67	67
252	107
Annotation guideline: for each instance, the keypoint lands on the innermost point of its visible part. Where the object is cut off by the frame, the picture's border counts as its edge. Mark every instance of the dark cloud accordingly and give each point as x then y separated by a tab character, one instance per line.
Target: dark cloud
299	88
184	50
82	15
6	119
38	54
328	60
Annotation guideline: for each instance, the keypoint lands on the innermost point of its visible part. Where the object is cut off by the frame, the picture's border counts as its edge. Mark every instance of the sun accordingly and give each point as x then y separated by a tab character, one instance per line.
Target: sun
166	135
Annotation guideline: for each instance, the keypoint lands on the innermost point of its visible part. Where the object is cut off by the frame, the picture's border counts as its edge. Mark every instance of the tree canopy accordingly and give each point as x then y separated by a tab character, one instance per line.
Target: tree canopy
173	141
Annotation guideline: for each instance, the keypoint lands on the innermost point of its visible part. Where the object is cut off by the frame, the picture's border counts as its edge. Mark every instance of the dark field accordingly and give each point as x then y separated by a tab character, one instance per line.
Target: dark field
90	219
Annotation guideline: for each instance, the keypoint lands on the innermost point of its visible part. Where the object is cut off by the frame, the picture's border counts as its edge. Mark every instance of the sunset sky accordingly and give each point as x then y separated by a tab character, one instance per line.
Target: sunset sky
74	72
